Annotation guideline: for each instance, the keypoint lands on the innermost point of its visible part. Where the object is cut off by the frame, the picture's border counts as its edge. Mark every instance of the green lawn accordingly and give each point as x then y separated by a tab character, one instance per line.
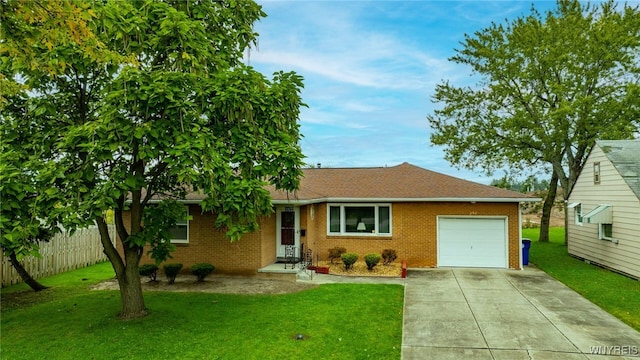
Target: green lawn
615	293
339	321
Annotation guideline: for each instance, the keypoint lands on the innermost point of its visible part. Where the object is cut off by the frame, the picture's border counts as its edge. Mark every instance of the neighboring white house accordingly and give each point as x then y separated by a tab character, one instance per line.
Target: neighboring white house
604	207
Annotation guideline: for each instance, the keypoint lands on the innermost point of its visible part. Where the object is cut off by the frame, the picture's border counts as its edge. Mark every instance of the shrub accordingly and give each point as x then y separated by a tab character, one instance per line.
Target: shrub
529	224
348	259
389	255
150	270
172	270
201	270
372	260
336	252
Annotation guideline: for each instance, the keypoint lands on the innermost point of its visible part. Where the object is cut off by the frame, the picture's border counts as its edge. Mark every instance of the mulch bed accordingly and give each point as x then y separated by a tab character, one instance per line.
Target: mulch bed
360	269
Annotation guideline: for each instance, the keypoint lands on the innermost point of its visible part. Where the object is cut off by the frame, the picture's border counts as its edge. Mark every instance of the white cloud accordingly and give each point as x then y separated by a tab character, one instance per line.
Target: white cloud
361	106
370	69
338	45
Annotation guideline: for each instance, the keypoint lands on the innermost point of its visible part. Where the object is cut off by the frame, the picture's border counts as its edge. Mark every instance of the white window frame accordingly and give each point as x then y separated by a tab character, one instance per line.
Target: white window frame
596	173
183	222
601	234
343	222
577	213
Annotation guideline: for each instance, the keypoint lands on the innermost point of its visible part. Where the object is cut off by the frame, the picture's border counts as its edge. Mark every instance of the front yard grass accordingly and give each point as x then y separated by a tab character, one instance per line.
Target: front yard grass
338	321
615	293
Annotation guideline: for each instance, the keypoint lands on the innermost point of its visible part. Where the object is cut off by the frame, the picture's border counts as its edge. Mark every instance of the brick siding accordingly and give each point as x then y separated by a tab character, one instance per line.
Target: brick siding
210	245
414	228
414	237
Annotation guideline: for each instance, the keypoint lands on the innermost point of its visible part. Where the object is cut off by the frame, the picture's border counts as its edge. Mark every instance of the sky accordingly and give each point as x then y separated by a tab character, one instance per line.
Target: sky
370	69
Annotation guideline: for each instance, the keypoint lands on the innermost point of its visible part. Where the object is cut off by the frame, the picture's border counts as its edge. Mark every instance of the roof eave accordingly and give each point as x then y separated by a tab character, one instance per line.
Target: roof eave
393	200
182	201
378	200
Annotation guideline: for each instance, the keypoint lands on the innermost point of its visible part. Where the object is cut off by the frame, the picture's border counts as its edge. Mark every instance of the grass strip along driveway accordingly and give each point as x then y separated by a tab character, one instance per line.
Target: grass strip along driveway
338	321
615	293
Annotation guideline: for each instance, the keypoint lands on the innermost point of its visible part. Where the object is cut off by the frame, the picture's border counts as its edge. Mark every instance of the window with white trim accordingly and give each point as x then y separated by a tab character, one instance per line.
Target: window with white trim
605	231
359	219
596	173
577	213
180	232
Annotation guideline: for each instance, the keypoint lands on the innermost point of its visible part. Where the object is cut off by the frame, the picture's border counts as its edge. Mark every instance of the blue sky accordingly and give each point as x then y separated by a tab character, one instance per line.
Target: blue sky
370	70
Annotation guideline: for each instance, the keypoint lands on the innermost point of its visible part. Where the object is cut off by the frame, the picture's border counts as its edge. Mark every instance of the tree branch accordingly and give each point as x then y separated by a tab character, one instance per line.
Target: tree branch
118	212
108	248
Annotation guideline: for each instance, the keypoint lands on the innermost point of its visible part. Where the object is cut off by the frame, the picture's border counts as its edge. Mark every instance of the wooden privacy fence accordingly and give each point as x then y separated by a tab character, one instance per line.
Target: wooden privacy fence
63	253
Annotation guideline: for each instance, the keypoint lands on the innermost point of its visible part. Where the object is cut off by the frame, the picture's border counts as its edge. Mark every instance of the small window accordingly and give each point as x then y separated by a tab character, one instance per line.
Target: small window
577	212
180	232
384	219
334	219
605	231
596	173
359	219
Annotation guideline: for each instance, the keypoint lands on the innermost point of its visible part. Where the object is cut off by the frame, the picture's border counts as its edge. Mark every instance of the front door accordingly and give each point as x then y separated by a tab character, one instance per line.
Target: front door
288	224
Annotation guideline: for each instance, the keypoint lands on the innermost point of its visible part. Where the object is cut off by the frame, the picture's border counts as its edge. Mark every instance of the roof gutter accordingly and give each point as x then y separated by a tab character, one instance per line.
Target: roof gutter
444	199
379	200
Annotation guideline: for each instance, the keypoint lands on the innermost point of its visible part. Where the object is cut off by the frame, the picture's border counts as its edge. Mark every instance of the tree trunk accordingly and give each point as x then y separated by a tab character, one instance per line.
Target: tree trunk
131	294
549	200
127	271
26	277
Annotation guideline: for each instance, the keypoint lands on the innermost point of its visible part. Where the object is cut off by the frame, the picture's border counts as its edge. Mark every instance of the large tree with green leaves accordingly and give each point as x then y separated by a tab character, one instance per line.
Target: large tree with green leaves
549	87
168	107
23	224
26	200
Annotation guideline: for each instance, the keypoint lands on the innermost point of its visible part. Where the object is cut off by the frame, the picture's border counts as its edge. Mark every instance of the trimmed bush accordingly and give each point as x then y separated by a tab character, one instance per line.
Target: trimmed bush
530	225
171	271
201	270
150	270
389	255
348	259
372	260
336	252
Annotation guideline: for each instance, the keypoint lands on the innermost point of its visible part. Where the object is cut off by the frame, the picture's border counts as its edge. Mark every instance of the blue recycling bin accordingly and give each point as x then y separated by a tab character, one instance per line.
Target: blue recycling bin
526	244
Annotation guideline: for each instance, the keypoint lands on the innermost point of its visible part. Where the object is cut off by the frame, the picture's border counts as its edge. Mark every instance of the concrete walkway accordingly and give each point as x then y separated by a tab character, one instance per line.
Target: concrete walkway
506	314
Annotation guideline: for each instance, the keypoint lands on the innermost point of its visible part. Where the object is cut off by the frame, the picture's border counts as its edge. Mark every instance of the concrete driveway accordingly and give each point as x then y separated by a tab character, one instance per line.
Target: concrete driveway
506	314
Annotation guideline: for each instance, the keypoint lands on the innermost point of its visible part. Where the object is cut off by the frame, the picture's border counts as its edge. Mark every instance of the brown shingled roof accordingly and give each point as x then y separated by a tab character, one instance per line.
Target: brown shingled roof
404	181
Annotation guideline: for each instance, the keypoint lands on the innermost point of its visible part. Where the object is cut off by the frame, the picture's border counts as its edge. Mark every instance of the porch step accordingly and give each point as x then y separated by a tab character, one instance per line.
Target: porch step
304	275
278	269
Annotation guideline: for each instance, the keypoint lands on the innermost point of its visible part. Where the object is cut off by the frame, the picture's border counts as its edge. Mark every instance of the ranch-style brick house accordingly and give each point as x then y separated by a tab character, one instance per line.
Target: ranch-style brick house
604	207
430	219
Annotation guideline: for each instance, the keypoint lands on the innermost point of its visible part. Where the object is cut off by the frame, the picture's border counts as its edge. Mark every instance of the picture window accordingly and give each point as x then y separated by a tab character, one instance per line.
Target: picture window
359	219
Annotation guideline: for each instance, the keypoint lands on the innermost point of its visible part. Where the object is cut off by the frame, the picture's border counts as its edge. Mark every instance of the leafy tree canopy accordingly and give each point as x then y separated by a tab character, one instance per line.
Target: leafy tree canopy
530	184
164	108
550	86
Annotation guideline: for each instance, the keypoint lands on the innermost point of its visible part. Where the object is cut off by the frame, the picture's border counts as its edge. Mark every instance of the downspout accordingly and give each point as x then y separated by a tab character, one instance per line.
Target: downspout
520	234
566	223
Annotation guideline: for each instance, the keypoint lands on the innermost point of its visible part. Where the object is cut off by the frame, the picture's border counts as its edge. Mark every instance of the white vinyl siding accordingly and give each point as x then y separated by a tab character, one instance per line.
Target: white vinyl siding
586	241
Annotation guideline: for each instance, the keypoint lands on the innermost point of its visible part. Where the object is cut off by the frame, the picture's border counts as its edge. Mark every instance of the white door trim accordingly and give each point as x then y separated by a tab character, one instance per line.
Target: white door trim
280	249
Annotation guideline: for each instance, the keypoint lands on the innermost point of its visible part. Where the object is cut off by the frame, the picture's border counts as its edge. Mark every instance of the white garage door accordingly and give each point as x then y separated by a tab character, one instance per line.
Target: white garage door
472	242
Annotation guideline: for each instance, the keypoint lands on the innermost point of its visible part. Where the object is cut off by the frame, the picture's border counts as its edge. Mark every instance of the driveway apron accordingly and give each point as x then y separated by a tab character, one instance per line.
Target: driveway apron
456	313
